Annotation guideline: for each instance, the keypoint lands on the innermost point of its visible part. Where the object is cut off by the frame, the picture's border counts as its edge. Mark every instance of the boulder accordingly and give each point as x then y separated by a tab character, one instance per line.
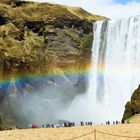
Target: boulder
133	106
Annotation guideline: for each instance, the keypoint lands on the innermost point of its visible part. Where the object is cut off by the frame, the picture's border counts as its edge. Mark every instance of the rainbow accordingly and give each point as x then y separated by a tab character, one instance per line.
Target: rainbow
35	79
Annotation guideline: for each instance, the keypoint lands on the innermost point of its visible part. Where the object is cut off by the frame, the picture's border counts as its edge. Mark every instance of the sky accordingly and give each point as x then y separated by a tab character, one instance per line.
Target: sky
113	9
125	1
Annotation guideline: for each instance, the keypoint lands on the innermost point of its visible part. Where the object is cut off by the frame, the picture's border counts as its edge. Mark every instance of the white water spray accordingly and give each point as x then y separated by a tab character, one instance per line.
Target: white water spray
115	72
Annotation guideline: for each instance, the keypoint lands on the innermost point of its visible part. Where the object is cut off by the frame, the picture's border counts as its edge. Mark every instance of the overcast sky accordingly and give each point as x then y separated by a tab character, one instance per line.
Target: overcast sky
109	8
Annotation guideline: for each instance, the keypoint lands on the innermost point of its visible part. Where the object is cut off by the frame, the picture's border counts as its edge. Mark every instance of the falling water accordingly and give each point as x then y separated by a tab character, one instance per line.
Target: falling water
115	71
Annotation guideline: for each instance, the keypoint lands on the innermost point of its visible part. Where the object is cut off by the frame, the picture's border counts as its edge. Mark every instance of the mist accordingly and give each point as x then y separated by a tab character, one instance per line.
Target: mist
44	104
86	108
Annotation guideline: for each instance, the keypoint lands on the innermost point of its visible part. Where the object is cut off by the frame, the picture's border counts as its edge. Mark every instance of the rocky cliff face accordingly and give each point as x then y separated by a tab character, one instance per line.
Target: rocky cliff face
38	39
133	106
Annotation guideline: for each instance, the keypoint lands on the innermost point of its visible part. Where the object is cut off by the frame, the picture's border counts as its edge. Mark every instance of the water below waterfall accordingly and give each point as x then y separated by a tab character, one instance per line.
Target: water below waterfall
115	72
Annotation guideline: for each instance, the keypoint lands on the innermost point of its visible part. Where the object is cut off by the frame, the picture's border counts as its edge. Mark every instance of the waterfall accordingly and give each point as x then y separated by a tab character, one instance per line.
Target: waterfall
115	72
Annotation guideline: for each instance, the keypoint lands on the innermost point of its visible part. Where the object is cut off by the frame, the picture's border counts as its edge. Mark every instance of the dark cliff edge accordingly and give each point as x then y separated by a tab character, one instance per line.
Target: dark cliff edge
132	107
38	41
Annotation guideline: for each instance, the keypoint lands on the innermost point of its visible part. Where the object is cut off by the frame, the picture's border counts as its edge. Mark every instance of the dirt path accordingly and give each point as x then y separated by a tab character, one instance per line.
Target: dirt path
70	133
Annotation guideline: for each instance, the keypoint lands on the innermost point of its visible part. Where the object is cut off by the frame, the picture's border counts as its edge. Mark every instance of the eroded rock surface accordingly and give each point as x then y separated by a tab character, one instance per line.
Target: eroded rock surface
132	107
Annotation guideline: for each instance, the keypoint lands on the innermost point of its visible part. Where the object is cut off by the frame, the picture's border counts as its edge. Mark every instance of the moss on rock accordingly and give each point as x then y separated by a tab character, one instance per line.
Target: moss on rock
132	107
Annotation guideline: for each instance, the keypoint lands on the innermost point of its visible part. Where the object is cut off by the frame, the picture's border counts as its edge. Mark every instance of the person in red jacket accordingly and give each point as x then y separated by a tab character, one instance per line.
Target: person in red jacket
34	126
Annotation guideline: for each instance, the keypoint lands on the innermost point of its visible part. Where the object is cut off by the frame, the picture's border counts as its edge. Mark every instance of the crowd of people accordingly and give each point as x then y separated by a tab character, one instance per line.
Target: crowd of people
65	124
114	122
70	124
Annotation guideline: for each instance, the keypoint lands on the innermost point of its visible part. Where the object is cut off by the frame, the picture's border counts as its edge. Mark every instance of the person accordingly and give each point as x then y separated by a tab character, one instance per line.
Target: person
82	124
57	125
34	126
91	123
30	125
65	124
73	124
108	122
52	125
116	122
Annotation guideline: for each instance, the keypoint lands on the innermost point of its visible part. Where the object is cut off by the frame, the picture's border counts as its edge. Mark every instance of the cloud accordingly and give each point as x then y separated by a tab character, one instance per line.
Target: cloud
108	8
117	10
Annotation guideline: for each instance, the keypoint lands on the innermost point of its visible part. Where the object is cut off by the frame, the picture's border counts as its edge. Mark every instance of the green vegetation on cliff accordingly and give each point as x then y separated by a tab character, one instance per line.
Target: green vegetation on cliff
38	31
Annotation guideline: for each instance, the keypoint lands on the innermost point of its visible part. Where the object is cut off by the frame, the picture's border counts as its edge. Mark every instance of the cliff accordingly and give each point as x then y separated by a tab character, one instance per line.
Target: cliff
133	106
43	36
42	45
